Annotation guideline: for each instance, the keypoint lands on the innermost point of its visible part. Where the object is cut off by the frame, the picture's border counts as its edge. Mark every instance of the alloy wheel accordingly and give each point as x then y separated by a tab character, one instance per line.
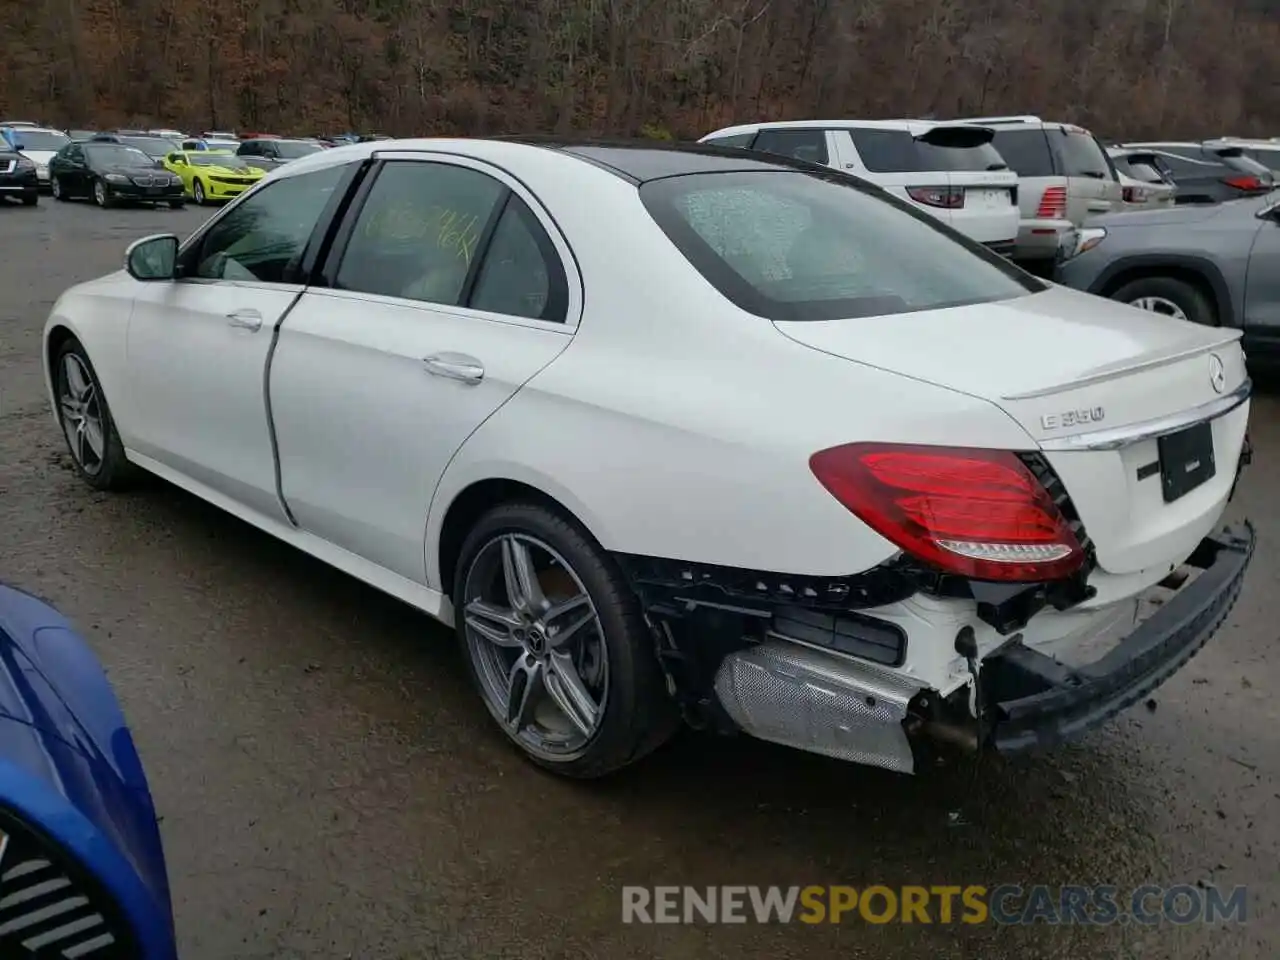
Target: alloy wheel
55	187
80	410
198	192
537	644
1160	305
100	194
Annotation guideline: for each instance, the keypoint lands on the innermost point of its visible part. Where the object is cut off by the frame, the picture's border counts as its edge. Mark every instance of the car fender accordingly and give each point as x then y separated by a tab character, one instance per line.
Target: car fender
97	314
1202	266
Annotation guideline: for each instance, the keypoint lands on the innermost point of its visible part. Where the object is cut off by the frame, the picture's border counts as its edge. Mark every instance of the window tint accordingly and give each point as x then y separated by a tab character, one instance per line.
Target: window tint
735	140
1143	170
794	246
1026	151
1268	158
263	237
1081	155
248	150
897	151
1183	166
418	231
802	144
521	274
1249	166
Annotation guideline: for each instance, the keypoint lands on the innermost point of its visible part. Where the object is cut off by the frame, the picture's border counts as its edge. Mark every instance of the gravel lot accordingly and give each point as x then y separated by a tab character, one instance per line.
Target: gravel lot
331	788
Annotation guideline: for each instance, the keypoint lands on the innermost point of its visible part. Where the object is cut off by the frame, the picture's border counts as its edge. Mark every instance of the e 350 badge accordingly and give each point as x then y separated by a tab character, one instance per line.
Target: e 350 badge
1072	418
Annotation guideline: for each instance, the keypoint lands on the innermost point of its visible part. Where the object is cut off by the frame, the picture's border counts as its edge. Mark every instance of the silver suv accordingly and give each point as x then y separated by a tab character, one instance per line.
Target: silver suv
1064	177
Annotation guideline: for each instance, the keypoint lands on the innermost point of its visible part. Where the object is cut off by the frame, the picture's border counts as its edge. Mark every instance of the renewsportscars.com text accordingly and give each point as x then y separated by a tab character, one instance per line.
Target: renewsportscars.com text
1008	904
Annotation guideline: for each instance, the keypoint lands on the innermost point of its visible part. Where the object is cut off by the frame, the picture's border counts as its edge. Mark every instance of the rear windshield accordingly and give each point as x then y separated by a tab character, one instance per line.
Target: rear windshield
1026	151
790	245
1249	165
897	151
293	149
1081	155
40	139
1268	158
152	146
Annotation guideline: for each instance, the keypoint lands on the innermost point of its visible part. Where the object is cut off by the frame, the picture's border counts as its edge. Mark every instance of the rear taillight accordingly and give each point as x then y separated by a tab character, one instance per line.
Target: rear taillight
1245	181
950	198
977	513
1053	205
1135	195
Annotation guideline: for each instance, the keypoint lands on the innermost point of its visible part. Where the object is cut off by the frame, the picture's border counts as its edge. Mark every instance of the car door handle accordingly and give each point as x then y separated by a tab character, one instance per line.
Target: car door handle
245	319
455	366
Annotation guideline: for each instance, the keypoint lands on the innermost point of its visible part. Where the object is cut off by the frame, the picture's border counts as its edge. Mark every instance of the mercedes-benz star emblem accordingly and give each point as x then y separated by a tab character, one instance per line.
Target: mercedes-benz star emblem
1217	373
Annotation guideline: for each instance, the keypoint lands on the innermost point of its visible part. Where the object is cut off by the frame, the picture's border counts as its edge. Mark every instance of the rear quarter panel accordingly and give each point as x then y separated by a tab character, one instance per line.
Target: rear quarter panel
677	425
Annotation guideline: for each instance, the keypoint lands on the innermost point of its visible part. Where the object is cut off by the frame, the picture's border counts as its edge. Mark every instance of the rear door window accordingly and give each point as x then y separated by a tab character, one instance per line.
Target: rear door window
1026	151
800	143
897	151
1082	156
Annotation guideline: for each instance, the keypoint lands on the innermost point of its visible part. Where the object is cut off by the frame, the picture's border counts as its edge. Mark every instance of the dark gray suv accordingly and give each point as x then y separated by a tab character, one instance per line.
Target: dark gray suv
1214	264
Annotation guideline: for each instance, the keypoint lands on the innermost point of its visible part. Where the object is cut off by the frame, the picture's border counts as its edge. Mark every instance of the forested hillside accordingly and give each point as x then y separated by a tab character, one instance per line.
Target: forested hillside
663	67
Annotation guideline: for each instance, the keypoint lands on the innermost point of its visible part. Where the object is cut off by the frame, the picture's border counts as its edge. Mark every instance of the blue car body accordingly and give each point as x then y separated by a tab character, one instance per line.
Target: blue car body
78	832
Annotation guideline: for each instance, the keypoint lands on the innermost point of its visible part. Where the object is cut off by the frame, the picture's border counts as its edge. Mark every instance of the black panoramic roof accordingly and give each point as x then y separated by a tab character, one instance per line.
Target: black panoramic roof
643	160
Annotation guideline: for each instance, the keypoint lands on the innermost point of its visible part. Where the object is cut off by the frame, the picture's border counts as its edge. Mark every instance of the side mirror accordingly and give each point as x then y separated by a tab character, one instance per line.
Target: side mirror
152	258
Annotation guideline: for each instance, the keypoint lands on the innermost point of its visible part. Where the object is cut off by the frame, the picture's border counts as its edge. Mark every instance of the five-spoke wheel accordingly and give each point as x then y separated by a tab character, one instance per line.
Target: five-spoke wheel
556	643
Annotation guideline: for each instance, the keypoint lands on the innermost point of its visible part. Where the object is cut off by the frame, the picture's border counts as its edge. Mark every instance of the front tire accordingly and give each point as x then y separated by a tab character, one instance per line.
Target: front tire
1170	297
87	424
100	195
197	193
556	644
30	199
55	187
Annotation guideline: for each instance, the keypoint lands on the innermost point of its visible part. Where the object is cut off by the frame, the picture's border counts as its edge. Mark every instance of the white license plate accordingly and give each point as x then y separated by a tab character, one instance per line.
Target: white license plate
989	198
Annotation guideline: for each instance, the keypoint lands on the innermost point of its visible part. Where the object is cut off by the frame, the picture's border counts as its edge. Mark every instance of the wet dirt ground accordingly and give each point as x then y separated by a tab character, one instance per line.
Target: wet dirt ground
330	787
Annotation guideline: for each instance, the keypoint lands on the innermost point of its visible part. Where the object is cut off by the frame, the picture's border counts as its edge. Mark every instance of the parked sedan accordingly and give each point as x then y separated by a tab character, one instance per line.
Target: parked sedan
111	173
1216	265
496	386
82	870
18	178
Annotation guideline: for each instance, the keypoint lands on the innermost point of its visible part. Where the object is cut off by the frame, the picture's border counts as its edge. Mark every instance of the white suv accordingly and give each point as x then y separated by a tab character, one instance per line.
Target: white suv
948	170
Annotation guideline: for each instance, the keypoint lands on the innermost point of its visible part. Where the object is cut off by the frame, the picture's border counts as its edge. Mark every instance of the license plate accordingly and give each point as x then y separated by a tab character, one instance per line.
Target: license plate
989	198
154	191
1186	460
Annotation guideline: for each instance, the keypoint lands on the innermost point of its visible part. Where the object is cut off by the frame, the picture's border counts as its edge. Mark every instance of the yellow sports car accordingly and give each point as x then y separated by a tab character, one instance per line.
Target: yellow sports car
209	175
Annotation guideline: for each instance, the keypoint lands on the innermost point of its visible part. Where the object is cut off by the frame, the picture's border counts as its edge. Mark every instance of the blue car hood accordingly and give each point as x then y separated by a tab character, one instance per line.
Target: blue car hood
61	724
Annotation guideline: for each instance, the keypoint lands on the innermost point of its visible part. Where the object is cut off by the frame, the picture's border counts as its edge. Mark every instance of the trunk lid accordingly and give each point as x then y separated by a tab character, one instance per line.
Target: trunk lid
1062	363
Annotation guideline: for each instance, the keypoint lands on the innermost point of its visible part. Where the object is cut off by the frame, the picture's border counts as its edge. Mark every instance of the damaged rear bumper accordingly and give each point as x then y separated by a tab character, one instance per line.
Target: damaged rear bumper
790	692
1038	702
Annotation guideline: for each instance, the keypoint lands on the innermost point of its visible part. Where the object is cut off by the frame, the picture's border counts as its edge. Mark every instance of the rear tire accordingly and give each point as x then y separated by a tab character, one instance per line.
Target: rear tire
1170	297
612	657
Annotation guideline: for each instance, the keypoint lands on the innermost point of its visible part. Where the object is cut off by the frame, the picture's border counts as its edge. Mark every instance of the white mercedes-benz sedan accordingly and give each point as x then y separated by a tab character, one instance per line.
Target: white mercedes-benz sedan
684	433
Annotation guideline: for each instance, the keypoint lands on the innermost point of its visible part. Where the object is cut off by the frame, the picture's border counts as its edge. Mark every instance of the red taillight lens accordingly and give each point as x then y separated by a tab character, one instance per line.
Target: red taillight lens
977	513
1245	182
950	198
1053	204
1135	195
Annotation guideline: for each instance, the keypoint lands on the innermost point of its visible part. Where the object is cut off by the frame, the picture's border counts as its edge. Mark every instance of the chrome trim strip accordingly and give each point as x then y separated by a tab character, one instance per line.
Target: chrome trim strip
1102	376
1117	437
